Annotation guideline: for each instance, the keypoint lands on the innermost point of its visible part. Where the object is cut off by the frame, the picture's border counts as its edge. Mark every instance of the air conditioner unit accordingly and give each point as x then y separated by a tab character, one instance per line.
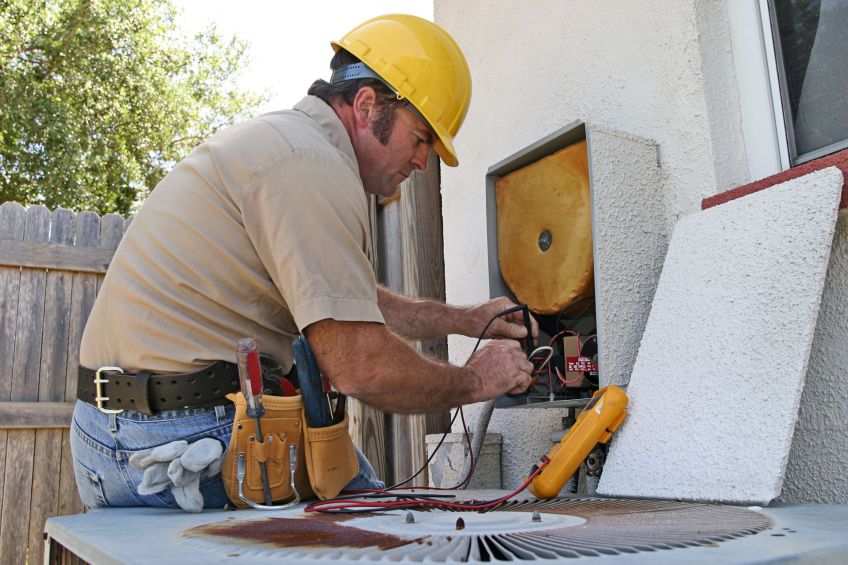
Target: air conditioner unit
626	531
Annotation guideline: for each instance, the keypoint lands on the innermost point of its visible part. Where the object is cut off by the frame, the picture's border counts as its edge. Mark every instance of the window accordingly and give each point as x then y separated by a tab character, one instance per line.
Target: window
811	48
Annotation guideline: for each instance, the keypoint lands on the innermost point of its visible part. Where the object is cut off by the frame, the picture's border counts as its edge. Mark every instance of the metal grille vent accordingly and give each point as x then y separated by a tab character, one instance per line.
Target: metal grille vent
561	529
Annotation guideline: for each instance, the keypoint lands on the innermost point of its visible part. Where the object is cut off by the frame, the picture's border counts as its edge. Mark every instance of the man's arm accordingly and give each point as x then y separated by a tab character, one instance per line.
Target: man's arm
368	361
422	318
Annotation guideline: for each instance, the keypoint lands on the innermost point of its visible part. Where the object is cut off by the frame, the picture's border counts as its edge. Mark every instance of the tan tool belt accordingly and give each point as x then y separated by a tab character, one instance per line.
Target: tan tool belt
326	458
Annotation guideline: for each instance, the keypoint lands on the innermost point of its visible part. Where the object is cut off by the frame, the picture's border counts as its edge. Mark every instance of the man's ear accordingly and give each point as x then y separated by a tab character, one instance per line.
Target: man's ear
364	106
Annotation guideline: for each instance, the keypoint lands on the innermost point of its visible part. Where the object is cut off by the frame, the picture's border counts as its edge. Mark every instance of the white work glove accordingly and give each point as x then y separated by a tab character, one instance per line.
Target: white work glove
179	466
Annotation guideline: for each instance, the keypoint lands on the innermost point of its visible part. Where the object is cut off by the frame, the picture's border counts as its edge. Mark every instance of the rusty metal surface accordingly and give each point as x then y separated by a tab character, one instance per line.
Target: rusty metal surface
312	530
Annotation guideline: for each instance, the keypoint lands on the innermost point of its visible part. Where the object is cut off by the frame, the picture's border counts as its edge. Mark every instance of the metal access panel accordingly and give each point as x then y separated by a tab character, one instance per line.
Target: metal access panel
626	239
560	530
570	135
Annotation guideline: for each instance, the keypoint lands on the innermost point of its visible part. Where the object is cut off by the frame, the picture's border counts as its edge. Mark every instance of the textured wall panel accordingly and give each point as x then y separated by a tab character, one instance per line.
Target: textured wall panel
630	243
717	382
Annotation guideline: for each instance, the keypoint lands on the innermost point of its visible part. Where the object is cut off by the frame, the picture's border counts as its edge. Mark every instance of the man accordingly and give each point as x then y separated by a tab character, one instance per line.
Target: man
263	232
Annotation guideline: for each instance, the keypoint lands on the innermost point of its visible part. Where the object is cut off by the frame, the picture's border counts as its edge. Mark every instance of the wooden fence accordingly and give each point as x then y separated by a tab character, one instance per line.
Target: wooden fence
411	260
51	265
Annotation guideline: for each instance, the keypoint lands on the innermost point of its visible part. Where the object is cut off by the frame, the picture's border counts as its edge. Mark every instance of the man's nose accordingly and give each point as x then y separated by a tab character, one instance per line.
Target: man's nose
420	157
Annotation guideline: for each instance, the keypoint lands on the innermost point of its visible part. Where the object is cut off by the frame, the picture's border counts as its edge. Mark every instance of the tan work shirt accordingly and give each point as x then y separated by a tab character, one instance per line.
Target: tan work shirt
259	232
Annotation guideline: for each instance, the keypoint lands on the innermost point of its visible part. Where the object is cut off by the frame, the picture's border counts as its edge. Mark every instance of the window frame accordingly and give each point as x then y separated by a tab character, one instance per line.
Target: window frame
774	52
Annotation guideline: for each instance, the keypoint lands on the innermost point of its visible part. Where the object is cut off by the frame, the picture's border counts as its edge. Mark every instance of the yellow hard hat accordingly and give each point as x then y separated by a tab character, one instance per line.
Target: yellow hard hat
422	64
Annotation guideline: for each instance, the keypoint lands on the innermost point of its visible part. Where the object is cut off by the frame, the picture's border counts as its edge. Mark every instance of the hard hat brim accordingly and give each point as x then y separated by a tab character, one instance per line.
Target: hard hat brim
445	151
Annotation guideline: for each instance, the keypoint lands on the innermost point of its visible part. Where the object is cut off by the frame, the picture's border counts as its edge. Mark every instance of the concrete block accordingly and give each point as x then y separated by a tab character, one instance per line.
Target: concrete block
717	382
446	466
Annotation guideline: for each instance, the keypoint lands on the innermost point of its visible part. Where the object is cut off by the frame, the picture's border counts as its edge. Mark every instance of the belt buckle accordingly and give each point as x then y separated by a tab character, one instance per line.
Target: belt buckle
98	389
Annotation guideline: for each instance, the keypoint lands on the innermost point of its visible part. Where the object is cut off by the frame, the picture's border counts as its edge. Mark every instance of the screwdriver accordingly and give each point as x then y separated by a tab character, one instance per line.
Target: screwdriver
250	379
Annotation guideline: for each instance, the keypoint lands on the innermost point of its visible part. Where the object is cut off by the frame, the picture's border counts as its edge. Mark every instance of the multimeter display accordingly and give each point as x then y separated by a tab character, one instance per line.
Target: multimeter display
595	424
592	403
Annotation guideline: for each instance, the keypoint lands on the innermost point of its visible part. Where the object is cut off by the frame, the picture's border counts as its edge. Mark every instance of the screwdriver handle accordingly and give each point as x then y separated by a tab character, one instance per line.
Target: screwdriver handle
250	375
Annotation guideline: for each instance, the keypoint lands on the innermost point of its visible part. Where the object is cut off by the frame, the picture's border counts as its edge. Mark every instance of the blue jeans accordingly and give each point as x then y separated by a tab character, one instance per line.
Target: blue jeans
101	445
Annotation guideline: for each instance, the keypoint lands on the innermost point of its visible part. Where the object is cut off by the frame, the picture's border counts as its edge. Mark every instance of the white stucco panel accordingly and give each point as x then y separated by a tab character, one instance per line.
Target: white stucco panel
716	386
629	244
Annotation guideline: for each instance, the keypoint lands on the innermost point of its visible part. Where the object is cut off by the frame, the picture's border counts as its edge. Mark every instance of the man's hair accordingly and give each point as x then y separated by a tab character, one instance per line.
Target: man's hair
344	92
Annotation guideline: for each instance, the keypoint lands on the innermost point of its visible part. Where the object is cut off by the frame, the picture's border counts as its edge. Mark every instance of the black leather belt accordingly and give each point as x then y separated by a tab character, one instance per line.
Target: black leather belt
112	390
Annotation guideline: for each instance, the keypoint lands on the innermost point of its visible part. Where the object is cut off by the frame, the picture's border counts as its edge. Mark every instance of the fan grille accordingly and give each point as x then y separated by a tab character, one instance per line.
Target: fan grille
611	527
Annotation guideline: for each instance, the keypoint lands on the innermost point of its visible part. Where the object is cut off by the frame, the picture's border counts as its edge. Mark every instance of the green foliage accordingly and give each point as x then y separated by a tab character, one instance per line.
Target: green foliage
99	99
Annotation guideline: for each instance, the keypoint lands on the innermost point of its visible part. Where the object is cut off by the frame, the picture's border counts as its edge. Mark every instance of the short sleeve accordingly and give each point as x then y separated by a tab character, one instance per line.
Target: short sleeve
307	217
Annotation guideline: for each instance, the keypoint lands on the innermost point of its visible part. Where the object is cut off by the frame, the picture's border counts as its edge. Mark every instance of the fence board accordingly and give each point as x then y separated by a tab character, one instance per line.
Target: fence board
111	232
30	323
54	350
366	422
51	388
17	495
54	257
423	268
391	275
83	293
20	444
47	460
12	220
22	415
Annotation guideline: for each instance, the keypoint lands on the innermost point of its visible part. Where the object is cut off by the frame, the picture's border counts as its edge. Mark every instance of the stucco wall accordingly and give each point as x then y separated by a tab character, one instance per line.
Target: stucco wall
661	70
818	460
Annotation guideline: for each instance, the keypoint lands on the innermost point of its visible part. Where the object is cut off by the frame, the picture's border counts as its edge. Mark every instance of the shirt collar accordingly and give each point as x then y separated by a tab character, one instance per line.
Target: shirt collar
324	115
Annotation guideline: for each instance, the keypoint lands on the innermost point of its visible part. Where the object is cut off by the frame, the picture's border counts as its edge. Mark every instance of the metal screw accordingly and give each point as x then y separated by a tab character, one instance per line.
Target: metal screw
536	516
545	239
410	518
460	524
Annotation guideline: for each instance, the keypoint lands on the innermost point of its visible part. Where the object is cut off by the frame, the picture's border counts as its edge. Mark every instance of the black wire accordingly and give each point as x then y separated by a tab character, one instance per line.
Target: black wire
426	463
518	308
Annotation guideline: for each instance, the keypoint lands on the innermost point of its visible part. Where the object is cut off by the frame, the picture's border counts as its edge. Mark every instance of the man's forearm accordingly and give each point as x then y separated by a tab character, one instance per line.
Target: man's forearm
419	318
368	362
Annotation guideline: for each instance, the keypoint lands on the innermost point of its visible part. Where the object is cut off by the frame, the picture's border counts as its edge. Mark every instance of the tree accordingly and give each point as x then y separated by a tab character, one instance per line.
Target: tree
100	98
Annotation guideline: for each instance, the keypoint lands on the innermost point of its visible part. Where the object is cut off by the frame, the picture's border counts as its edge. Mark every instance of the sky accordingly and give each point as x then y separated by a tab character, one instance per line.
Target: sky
289	40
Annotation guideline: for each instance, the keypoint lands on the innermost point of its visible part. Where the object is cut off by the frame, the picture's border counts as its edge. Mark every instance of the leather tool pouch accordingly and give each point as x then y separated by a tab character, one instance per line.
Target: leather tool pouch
330	458
326	458
281	427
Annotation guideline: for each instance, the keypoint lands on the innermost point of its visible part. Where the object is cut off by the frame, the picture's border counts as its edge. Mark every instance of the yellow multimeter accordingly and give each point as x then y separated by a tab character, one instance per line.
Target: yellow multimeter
595	424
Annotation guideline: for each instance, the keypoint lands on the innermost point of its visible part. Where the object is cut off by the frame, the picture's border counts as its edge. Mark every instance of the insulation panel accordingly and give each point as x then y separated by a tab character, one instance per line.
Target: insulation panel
545	230
715	389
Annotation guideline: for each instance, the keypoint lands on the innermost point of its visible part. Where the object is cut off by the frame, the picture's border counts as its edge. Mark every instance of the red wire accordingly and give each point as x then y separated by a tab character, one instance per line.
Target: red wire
556	369
340	504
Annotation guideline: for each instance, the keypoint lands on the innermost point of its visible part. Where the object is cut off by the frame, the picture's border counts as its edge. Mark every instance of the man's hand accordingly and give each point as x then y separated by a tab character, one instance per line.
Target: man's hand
502	367
510	326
